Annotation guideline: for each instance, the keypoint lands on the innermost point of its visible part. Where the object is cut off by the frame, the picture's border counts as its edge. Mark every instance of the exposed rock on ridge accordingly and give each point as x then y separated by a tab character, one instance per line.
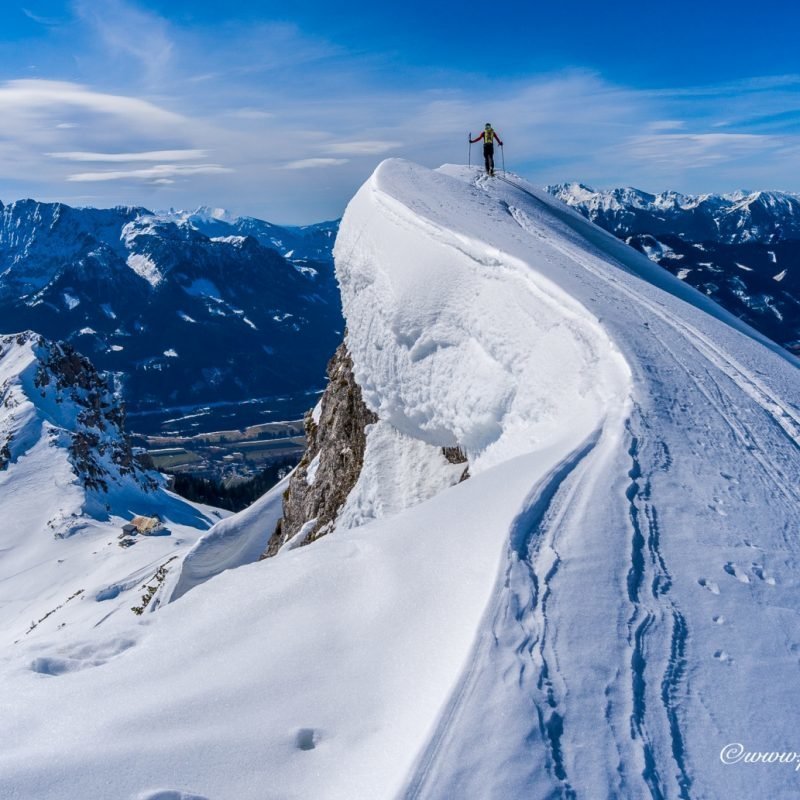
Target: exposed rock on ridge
336	434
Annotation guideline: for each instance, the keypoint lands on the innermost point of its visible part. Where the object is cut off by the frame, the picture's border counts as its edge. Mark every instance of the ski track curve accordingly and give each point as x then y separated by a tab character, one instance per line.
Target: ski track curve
519	602
654	758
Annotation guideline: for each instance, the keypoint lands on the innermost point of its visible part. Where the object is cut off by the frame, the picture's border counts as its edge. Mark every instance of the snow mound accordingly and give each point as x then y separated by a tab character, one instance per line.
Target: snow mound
232	542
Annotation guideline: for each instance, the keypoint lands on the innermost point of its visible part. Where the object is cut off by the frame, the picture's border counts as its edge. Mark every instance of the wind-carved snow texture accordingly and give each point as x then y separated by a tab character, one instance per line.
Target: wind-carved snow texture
476	359
608	601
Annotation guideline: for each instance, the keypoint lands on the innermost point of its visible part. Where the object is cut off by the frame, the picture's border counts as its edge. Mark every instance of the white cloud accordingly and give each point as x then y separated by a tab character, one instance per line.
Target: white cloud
49	99
152	155
158	174
693	151
47	21
666	125
313	163
308	120
362	148
250	113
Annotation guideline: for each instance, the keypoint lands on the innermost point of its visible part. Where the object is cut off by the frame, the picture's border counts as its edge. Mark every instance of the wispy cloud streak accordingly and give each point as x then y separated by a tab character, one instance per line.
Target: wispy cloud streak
295	123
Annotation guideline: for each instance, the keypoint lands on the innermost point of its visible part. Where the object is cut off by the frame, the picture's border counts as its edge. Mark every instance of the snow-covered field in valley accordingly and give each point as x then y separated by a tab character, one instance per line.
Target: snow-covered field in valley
605	603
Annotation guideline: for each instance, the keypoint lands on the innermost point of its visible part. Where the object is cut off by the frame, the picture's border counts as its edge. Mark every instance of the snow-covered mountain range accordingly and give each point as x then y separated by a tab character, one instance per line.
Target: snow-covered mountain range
741	249
563	561
184	308
735	218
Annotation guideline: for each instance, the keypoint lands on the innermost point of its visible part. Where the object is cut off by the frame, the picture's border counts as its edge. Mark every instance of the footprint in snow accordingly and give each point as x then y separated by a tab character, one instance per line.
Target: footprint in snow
717	506
307	738
761	574
736	572
718	619
712	586
723	657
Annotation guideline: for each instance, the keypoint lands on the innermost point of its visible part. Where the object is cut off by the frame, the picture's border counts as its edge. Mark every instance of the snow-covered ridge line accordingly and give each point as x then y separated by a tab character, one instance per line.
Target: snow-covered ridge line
787	417
47	389
462	344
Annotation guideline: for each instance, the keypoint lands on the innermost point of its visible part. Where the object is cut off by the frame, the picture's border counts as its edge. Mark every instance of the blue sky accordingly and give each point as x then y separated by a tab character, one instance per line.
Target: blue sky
281	110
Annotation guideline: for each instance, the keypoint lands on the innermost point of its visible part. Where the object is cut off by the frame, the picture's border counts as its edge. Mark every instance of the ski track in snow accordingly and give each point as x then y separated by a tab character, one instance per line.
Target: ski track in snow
787	418
516	627
658	685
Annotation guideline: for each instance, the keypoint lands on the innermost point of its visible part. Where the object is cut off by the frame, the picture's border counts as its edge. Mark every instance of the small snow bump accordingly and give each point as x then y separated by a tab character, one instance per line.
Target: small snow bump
710	585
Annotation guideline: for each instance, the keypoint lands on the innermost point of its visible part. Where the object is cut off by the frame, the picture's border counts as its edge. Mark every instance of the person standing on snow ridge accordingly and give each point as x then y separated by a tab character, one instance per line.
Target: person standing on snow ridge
488	134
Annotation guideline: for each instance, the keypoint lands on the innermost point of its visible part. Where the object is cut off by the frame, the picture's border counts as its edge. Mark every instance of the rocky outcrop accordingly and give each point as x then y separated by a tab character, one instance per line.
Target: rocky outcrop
79	404
336	434
5	454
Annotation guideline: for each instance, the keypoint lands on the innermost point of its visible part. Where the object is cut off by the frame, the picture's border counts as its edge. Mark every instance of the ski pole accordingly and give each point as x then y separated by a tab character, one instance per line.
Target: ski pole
469	151
503	155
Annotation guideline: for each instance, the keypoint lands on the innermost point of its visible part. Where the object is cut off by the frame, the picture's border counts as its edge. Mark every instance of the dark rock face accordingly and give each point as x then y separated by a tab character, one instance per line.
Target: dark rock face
455	455
333	459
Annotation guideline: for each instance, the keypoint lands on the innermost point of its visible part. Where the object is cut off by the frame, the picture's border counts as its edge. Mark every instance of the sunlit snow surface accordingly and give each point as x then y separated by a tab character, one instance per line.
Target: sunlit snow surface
610	600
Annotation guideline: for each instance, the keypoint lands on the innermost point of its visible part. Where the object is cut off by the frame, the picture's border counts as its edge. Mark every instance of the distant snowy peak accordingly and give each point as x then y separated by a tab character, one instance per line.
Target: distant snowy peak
52	396
202	214
40	241
731	218
739	249
296	243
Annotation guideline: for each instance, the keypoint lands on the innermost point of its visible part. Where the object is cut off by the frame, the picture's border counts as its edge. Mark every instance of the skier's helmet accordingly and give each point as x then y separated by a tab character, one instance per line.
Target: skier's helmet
488	125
